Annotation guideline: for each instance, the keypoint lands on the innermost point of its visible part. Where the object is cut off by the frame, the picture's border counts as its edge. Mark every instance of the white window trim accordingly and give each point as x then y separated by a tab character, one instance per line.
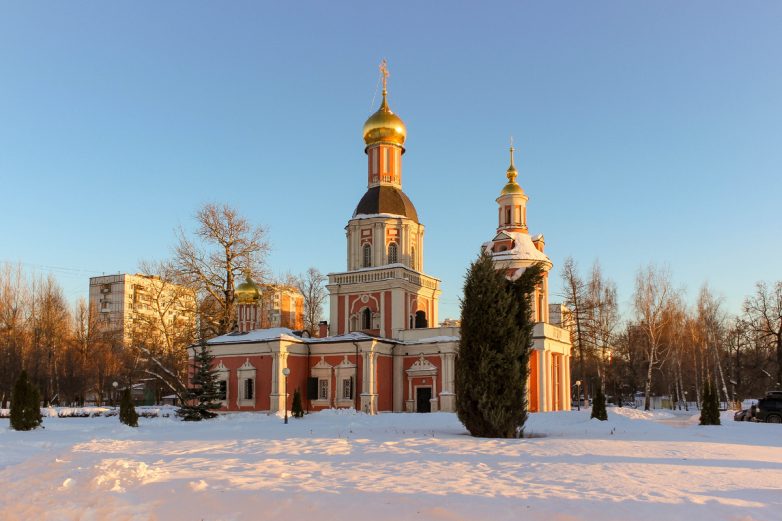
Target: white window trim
247	370
322	371
345	371
223	376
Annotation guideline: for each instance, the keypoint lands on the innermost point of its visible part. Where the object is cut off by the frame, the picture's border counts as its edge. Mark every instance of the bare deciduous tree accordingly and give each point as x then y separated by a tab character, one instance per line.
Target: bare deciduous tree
311	285
763	312
225	246
574	293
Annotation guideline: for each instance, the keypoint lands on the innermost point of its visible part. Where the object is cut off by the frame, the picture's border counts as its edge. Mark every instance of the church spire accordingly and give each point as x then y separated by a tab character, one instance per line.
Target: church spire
512	200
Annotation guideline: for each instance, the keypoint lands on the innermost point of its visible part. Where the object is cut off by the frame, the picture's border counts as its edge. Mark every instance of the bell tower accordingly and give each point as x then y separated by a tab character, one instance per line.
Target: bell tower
384	288
513	249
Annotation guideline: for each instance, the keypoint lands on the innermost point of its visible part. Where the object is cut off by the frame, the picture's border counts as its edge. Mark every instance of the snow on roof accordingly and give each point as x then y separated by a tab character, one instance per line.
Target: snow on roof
283	333
257	335
522	249
376	215
432	340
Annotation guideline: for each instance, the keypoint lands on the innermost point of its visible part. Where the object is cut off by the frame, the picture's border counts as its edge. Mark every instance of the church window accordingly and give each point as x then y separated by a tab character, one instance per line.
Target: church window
249	387
222	390
366	319
413	263
392	253
507	216
347	388
367	255
323	389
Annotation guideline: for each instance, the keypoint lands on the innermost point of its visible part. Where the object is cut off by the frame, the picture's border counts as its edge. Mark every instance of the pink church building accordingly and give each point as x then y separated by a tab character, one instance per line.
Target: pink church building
382	351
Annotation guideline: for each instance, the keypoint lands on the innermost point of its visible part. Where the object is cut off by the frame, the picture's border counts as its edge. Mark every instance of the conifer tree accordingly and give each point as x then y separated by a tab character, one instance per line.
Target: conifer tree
710	406
127	410
523	289
599	404
296	409
25	405
204	393
492	363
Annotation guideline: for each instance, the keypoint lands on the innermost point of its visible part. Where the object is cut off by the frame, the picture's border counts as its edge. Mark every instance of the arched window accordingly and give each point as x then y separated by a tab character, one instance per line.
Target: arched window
367	255
392	256
507	216
420	319
366	319
412	258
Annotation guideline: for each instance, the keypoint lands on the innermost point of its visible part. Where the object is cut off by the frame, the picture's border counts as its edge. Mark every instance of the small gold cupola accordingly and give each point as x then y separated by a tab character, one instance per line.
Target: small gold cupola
384	126
512	187
248	291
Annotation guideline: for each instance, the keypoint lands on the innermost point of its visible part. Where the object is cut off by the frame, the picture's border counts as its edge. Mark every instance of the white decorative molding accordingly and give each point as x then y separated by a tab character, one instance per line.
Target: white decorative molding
422	367
322	364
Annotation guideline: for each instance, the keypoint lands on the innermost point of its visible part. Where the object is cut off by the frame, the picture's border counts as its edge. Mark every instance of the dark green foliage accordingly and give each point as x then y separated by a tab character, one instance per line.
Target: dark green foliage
127	410
25	405
710	406
493	360
599	404
296	409
203	398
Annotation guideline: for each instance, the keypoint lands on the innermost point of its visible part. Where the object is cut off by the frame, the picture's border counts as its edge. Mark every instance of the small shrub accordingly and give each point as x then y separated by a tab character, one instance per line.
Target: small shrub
25	405
296	409
599	404
710	406
127	411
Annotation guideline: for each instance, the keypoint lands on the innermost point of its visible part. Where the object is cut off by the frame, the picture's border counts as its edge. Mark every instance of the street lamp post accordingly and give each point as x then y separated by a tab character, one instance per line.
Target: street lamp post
285	373
578	394
114	384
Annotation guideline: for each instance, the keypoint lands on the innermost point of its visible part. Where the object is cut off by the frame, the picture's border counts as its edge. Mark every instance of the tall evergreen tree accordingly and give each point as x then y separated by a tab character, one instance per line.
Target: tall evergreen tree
523	289
492	363
25	405
599	404
204	393
127	409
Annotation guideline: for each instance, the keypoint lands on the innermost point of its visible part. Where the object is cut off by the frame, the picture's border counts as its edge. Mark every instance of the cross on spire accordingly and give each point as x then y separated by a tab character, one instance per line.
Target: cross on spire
384	72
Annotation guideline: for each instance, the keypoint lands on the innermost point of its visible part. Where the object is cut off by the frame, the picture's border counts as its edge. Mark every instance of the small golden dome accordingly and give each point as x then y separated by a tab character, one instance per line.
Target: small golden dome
512	187
384	126
248	291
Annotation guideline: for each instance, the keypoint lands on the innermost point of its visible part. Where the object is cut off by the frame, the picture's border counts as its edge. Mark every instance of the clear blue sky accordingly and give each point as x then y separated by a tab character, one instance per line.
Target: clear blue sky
646	131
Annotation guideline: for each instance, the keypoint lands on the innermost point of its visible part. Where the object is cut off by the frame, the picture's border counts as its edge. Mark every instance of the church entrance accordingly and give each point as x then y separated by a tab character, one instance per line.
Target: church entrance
422	397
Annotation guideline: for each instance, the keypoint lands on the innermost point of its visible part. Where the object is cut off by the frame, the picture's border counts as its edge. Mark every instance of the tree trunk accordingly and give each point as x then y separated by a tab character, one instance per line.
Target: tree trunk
648	388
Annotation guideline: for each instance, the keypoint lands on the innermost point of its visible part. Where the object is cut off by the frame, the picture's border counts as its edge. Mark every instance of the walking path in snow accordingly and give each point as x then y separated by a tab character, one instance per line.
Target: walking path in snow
341	465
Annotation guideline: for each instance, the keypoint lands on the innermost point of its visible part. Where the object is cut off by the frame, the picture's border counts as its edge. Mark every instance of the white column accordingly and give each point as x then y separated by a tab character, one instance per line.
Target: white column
542	381
274	397
567	382
398	404
549	386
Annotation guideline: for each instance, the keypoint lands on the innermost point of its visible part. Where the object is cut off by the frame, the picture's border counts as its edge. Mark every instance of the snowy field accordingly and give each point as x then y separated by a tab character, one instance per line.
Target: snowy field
347	466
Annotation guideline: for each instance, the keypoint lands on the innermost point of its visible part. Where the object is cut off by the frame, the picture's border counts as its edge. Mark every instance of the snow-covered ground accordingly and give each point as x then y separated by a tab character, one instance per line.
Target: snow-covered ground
346	466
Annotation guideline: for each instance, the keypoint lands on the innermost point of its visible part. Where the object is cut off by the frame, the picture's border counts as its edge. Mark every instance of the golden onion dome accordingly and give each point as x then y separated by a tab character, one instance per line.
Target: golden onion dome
248	291
512	187
384	126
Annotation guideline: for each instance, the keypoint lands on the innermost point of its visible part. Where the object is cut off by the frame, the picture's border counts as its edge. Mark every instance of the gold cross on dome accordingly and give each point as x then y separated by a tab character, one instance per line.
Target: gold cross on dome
384	72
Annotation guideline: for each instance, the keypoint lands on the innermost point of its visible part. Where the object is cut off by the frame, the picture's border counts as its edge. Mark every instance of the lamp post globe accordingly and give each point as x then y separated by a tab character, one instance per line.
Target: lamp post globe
114	384
578	395
286	372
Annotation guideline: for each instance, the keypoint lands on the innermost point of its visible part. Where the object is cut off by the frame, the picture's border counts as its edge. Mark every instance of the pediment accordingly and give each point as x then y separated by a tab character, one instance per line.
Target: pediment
322	364
422	366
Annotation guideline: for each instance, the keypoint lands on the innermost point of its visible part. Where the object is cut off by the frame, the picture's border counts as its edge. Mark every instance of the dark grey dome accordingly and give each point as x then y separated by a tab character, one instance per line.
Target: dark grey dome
386	199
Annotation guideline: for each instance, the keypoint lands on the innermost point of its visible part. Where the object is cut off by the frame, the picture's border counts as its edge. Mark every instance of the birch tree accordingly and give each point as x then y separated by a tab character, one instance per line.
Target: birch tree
653	294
